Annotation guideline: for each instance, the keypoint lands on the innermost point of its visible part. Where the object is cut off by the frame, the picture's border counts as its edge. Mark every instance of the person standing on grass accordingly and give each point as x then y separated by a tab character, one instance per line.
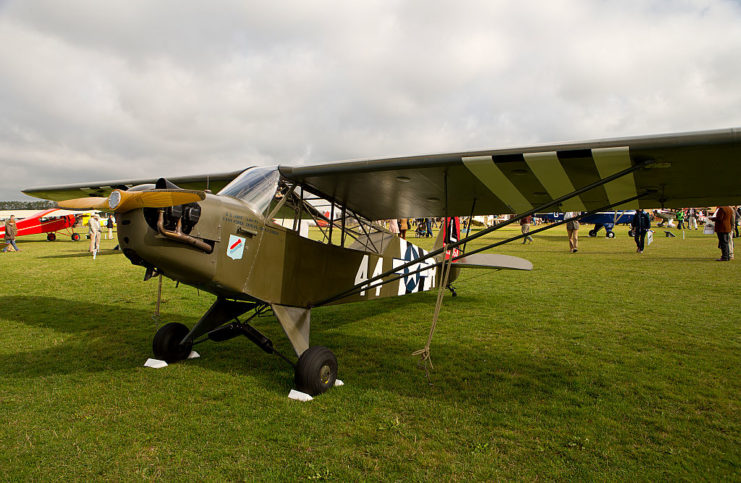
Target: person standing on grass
692	217
94	232
11	231
640	226
403	227
680	220
109	225
572	228
723	218
525	228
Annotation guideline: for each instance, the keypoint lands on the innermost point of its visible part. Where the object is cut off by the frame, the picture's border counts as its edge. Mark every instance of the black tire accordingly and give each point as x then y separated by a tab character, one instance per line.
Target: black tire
316	370
75	237
610	234
51	236
166	344
630	233
592	233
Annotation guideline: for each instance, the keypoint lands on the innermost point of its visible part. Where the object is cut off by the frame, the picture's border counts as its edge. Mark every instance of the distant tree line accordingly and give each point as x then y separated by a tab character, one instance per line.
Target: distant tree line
26	205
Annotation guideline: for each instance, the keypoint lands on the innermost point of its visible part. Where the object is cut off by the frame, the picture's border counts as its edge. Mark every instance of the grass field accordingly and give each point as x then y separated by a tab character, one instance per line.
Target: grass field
604	364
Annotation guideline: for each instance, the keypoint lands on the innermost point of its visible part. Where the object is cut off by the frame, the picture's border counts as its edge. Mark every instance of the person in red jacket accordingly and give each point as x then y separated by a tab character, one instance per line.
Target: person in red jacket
723	220
525	228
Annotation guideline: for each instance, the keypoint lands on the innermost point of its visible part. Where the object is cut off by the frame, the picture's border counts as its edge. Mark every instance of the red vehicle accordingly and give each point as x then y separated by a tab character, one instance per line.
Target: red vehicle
44	222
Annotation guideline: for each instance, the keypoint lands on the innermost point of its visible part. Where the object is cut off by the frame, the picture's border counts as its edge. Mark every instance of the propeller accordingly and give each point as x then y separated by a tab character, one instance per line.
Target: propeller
90	203
120	201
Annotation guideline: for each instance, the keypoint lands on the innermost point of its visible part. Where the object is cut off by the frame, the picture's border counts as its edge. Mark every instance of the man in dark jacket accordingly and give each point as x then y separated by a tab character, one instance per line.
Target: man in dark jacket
640	225
723	219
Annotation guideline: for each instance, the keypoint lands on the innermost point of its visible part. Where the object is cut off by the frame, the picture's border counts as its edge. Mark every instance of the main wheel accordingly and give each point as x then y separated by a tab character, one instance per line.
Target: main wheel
630	233
610	234
51	236
316	370
592	233
166	344
75	237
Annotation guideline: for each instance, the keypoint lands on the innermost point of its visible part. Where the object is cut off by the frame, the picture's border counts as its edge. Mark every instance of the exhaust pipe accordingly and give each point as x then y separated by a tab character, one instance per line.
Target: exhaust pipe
178	234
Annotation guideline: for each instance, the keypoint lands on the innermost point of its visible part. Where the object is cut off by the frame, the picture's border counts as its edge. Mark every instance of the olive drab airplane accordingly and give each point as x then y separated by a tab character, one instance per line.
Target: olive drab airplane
231	245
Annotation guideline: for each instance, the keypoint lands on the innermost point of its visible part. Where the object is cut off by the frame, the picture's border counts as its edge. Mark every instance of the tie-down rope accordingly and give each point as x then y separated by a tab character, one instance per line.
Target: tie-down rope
424	353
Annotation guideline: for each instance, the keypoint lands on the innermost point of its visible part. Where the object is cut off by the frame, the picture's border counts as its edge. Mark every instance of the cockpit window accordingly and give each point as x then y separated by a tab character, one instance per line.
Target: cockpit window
256	187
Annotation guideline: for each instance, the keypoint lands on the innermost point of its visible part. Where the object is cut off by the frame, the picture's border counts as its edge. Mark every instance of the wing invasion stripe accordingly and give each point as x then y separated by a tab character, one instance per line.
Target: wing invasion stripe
610	161
549	171
484	168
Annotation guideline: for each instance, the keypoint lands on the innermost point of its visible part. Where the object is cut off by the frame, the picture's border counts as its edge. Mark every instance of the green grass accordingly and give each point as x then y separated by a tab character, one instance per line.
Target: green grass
604	364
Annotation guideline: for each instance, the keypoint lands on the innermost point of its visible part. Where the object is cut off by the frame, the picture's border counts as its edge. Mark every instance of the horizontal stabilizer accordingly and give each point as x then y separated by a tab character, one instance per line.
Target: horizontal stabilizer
491	260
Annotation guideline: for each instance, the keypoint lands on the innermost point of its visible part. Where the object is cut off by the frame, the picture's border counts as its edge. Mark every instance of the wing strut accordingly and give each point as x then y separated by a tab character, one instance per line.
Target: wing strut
370	283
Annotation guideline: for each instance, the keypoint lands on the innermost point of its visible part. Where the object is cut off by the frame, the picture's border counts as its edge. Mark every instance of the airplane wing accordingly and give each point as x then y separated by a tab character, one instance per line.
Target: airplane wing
214	182
683	170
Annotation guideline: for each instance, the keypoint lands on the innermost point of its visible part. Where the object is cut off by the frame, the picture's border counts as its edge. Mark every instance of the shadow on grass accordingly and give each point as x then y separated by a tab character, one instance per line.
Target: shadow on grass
80	254
94	338
60	239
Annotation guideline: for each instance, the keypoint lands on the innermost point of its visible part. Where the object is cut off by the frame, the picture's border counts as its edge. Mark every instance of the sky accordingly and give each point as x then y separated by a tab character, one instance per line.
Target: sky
93	90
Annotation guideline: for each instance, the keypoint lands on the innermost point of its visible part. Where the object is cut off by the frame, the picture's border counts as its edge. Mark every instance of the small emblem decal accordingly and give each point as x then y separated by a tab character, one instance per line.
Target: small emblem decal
235	249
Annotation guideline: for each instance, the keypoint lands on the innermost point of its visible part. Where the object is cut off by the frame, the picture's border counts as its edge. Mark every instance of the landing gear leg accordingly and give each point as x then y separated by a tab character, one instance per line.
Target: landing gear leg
452	290
316	369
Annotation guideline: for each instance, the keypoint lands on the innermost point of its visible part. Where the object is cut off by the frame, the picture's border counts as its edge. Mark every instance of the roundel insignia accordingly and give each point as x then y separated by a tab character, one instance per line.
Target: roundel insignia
412	281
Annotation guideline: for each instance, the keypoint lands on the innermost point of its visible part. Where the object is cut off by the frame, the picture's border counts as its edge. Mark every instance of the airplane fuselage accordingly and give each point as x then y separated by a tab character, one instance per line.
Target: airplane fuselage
250	258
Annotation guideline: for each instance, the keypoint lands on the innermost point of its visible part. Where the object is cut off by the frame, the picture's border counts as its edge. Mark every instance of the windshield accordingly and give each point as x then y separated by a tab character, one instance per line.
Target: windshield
256	187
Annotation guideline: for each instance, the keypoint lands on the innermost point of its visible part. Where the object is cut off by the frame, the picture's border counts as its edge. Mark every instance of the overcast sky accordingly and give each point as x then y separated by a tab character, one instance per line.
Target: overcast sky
94	90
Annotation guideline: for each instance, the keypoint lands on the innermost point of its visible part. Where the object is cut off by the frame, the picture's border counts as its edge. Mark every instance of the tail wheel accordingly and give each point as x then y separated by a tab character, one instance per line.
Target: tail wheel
316	370
166	344
51	236
75	237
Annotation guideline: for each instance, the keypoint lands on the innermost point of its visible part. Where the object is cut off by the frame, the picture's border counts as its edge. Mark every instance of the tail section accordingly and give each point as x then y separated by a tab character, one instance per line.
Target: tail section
450	232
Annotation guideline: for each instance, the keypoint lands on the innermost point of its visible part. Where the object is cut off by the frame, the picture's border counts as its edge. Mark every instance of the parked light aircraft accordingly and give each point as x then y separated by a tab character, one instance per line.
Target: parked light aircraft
228	244
666	217
46	222
606	219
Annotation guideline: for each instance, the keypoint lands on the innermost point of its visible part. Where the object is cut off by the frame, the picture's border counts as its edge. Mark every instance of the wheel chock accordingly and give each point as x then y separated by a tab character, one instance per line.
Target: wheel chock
302	396
299	396
155	363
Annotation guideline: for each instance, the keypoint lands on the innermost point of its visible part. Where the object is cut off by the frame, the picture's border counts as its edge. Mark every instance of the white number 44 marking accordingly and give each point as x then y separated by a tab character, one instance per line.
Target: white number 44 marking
362	274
